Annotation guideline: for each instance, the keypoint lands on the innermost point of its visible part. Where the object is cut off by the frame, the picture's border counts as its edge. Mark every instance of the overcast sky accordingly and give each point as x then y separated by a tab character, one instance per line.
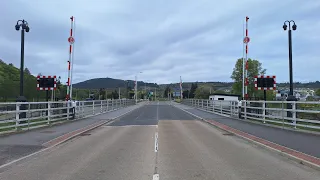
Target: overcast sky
197	39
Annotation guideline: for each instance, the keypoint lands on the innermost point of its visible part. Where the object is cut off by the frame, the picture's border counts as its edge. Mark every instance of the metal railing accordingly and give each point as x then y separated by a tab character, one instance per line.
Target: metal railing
18	116
295	114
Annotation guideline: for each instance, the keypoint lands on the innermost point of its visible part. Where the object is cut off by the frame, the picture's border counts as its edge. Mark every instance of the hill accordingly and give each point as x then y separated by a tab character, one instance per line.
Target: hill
10	84
10	78
110	83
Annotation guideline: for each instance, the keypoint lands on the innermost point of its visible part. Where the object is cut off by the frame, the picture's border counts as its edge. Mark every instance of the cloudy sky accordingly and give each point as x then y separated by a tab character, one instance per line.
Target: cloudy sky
197	39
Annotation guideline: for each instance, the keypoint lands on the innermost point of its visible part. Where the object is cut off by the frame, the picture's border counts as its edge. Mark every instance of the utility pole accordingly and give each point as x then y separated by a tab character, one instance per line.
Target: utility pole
135	89
52	95
145	91
119	93
181	91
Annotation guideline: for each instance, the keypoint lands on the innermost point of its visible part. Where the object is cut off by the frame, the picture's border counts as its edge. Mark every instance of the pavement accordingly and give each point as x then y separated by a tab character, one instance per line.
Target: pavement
15	146
158	141
300	141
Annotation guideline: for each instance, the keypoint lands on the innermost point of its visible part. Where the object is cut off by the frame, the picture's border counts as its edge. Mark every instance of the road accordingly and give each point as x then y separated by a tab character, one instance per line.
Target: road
303	142
17	145
157	141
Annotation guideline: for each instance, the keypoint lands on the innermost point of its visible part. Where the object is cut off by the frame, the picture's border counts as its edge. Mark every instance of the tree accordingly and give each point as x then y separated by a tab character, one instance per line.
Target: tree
254	69
185	94
193	88
131	94
166	91
220	92
26	71
115	94
102	93
317	92
202	93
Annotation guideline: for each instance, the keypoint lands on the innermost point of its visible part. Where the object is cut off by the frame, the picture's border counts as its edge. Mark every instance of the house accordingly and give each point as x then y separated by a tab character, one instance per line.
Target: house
223	100
224	97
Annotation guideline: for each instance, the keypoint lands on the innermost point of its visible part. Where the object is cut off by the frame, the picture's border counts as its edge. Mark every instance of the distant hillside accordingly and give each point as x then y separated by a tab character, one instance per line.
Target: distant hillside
110	83
311	85
215	85
10	83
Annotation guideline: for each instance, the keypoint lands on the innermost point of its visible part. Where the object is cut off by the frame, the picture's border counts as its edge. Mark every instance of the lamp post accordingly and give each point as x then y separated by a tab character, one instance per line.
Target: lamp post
24	28
290	96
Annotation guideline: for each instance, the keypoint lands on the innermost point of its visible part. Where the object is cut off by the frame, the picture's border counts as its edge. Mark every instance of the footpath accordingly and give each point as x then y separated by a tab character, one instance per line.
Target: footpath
15	146
297	145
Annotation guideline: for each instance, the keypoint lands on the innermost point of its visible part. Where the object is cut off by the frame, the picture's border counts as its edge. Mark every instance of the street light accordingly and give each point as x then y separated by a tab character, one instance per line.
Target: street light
294	27
24	27
290	96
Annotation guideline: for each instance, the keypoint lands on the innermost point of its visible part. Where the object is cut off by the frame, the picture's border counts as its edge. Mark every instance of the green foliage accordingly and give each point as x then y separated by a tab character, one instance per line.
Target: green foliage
193	88
219	92
10	84
167	91
185	93
202	93
254	68
102	93
115	94
317	92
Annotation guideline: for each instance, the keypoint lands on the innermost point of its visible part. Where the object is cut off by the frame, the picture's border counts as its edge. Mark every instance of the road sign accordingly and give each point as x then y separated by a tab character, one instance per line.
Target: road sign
176	94
246	40
46	83
71	40
265	82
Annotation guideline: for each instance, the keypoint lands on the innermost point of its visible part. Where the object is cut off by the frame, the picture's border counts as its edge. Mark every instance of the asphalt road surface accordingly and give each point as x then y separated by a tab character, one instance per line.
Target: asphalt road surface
303	142
15	146
158	141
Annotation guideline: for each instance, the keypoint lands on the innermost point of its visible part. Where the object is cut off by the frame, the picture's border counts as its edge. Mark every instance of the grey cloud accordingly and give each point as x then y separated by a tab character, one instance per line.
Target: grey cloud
164	39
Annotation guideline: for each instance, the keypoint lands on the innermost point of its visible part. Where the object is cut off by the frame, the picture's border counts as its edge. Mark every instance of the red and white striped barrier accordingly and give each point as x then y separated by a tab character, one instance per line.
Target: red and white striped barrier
246	41
71	41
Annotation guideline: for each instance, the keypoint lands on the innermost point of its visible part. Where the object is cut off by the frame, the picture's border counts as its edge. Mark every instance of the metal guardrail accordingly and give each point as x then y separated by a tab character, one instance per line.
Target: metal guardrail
38	114
295	114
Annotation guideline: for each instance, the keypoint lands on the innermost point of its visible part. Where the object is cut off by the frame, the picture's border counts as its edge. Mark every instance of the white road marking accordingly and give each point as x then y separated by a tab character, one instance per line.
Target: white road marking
139	115
155	177
156	142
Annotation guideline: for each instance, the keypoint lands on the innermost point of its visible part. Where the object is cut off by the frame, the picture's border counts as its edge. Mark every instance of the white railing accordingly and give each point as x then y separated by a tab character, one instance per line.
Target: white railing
295	114
17	116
